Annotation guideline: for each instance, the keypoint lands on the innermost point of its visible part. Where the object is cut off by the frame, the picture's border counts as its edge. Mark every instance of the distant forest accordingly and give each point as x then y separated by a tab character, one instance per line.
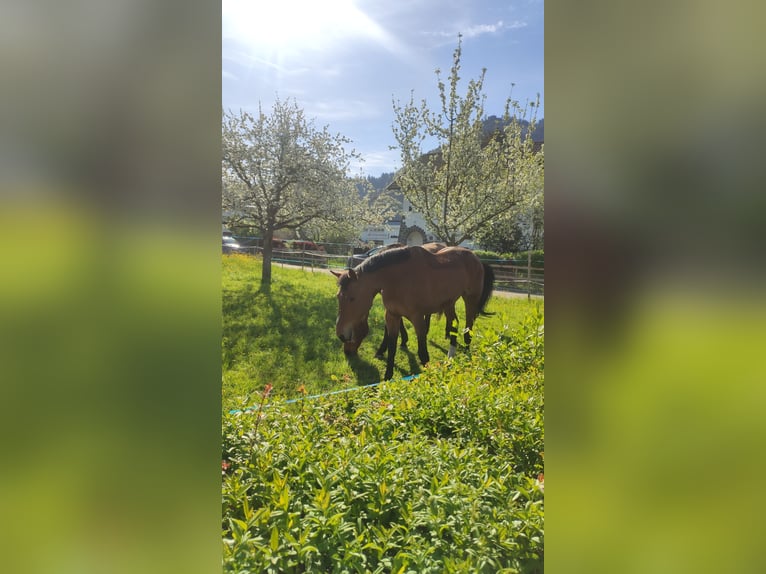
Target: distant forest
380	182
493	123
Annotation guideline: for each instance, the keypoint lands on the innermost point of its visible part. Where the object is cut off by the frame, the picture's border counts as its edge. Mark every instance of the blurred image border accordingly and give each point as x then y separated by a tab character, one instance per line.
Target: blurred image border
655	289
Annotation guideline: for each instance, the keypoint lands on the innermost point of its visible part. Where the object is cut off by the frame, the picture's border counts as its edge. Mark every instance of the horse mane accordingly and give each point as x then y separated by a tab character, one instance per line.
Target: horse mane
384	259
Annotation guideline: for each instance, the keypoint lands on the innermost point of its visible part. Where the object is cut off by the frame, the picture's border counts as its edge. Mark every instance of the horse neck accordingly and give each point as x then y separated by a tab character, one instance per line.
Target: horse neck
376	281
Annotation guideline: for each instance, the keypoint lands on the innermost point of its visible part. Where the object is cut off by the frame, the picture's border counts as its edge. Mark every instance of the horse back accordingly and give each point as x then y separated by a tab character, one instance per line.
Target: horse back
457	257
447	275
422	283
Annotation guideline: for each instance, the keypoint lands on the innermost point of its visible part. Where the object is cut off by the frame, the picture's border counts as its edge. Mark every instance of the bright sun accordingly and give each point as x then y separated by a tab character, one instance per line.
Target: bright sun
295	24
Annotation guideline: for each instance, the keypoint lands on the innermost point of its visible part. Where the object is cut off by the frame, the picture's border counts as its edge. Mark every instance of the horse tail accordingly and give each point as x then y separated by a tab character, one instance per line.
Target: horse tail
489	283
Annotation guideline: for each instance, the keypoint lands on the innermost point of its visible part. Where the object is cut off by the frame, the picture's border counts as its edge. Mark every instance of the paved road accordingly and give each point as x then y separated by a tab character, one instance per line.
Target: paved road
515	295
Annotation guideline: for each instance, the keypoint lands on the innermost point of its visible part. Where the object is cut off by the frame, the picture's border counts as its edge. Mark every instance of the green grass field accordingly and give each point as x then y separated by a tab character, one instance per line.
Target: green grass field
287	339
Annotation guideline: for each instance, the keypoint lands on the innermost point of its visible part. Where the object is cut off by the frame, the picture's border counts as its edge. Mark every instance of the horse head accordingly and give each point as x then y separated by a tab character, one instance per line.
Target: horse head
354	302
360	331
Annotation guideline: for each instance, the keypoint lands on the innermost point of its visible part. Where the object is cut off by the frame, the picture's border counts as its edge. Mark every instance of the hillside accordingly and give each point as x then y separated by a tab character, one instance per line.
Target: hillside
494	123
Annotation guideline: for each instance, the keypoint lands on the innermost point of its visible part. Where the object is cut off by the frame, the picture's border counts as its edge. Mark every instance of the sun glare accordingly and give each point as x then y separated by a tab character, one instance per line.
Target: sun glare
294	25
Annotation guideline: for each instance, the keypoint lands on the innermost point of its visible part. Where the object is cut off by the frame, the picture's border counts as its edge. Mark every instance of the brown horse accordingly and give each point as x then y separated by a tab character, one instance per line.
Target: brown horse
361	330
414	283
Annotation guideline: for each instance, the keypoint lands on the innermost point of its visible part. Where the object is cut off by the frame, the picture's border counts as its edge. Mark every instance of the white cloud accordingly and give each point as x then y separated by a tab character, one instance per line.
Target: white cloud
479	29
516	24
377	162
476	30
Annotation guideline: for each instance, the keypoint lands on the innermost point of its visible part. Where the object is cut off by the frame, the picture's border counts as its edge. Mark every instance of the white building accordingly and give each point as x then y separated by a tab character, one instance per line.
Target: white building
385	234
409	228
414	229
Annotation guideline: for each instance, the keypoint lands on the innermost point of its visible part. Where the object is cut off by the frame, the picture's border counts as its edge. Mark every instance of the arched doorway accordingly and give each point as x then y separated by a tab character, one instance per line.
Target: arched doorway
415	236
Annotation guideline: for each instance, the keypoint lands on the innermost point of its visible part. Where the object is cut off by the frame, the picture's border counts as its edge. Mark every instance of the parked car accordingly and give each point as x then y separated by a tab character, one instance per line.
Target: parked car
357	258
230	245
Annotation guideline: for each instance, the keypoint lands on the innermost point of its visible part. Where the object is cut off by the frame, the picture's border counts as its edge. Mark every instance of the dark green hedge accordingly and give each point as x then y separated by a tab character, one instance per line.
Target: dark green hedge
538	256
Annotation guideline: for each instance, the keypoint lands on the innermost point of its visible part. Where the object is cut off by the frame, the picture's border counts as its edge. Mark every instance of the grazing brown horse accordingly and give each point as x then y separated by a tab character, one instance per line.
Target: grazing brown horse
413	283
361	330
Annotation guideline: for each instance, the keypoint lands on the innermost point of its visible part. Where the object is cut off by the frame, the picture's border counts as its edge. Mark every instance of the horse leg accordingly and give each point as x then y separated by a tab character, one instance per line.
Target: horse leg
383	345
471	310
392	334
403	333
422	332
379	354
451	329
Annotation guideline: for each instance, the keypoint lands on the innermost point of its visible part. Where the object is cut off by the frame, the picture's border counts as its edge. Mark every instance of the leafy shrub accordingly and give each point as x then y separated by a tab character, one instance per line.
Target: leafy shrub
520	257
438	474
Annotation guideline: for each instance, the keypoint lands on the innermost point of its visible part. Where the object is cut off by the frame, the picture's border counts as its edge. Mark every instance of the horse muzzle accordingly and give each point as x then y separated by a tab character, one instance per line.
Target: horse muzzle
347	336
351	347
352	336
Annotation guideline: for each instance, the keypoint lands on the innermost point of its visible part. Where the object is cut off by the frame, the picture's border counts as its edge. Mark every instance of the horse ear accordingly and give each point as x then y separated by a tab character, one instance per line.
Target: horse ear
334	273
352	274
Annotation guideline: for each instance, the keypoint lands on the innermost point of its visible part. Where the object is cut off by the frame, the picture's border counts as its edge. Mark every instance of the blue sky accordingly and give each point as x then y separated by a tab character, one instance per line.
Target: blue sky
344	60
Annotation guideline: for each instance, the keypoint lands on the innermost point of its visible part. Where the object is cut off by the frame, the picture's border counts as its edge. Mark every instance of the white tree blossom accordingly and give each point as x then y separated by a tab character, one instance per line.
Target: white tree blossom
473	177
281	172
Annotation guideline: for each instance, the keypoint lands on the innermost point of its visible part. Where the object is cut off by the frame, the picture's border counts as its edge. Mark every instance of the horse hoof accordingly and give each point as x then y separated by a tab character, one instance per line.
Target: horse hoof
380	357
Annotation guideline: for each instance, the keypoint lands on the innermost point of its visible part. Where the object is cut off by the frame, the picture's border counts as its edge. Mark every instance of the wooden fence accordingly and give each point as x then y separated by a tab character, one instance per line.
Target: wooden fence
510	275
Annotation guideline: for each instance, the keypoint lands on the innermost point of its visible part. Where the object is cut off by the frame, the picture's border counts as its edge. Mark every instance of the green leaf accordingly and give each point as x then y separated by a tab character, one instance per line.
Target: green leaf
284	498
323	499
247	511
306	549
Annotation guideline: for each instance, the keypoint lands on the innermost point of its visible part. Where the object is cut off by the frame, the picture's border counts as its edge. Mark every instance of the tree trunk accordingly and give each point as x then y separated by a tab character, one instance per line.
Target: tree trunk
266	267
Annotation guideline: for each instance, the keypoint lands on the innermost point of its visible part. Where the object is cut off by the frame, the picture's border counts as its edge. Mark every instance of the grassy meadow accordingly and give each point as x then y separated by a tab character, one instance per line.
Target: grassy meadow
443	473
287	339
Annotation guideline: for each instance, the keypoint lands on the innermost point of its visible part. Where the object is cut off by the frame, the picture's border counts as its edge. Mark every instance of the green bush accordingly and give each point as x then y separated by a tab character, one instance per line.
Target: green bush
438	474
520	257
